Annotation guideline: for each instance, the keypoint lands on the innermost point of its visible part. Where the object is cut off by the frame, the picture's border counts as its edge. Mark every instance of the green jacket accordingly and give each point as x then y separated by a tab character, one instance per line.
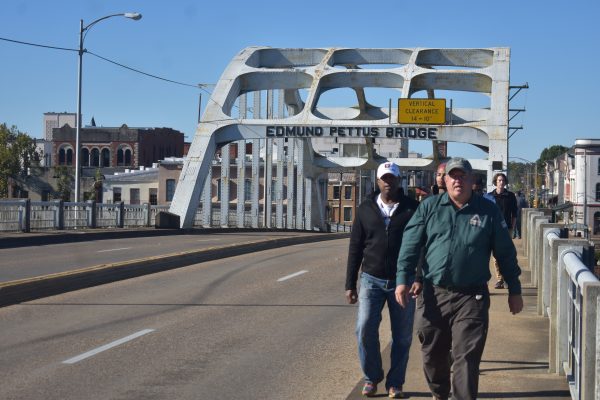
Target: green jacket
458	244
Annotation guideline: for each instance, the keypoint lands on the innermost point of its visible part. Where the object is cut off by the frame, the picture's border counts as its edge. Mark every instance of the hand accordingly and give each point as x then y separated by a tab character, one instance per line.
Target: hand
402	293
515	303
351	296
415	289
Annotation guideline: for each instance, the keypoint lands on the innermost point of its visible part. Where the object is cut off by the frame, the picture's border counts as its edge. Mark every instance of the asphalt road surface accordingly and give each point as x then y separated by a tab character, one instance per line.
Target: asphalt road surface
28	262
268	325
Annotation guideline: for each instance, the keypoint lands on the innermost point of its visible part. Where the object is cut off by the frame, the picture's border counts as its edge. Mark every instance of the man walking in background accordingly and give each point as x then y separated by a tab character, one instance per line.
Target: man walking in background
521	204
507	202
440	186
458	231
374	245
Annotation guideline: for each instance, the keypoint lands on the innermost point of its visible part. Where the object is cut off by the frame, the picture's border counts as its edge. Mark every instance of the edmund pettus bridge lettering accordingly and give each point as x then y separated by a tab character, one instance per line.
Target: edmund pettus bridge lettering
404	132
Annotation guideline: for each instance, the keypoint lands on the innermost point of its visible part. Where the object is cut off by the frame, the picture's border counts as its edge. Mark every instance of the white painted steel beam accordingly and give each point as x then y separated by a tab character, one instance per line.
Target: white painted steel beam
299	77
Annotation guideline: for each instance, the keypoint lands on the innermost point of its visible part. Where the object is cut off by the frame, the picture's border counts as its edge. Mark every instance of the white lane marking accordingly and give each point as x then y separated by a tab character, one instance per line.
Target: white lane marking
107	346
121	248
295	274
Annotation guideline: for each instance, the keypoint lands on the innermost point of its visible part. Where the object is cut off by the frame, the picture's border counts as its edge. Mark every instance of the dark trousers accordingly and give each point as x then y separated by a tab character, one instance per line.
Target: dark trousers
457	320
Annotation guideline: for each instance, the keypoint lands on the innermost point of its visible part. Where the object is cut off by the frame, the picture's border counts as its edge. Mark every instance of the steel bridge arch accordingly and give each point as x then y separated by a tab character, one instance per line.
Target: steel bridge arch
298	77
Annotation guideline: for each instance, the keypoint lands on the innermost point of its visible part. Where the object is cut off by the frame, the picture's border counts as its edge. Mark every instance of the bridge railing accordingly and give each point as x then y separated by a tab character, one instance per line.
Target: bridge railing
26	216
569	296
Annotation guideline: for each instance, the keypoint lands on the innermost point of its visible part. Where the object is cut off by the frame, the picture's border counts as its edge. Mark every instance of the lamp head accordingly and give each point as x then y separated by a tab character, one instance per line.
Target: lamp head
133	16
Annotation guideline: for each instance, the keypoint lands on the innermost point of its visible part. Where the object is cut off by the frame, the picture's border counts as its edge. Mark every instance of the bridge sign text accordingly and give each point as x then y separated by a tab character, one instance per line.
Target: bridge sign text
422	111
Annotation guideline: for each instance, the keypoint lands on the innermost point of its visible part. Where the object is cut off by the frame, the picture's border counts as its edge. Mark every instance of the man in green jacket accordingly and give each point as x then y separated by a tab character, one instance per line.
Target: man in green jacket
458	231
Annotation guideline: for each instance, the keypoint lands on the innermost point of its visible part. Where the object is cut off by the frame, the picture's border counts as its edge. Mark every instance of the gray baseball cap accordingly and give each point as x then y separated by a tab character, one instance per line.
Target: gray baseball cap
459	163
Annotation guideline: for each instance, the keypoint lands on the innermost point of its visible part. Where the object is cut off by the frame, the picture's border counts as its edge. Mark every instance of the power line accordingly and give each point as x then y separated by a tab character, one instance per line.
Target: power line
37	45
201	86
197	86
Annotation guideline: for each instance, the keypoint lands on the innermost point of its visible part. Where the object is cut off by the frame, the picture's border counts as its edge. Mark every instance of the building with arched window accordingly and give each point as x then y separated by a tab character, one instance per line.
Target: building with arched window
124	147
65	155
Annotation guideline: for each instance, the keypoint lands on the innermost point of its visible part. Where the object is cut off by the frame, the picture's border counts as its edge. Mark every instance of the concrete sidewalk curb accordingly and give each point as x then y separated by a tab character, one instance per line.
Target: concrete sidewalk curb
40	238
14	292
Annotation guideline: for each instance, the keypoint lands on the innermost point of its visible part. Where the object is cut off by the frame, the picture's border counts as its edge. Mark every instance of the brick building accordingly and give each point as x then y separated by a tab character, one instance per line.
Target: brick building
103	147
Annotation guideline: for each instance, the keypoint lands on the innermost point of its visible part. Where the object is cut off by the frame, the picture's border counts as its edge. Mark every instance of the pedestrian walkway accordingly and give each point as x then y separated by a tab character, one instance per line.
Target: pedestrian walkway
515	361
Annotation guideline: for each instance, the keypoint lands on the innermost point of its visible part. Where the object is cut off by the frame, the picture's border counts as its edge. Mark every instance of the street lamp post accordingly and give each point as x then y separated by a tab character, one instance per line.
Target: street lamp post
82	32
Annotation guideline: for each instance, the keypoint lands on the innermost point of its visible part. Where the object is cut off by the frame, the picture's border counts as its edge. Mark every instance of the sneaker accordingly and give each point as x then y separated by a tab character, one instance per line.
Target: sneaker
395	392
369	389
499	284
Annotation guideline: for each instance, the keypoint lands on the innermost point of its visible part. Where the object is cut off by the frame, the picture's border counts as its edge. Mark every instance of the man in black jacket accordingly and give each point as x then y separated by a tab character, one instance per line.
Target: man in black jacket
507	202
374	244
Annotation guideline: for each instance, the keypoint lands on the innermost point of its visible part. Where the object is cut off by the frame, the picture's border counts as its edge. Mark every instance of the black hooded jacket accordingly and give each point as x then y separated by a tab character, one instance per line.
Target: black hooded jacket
374	246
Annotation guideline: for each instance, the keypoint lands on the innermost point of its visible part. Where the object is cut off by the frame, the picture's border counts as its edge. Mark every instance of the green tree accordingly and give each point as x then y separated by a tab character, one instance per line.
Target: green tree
64	181
519	175
550	153
17	153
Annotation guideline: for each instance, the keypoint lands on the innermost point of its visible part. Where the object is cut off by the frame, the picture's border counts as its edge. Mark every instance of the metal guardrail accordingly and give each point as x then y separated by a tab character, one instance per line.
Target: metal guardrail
26	216
580	309
569	295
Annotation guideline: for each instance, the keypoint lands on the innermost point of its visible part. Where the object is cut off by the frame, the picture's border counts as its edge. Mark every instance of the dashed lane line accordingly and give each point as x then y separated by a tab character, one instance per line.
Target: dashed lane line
119	249
295	274
107	346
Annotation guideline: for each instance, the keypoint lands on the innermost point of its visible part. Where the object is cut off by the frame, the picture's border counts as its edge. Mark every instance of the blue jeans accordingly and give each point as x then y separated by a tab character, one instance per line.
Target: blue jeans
373	294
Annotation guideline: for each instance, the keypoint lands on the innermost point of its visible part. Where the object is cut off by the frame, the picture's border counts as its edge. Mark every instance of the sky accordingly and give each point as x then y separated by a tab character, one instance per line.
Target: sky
554	49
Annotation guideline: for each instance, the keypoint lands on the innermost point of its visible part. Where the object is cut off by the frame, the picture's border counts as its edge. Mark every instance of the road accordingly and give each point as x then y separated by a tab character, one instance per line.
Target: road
268	325
32	261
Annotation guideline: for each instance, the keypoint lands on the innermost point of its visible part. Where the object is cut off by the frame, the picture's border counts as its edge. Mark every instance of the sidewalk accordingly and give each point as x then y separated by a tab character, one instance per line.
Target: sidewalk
515	361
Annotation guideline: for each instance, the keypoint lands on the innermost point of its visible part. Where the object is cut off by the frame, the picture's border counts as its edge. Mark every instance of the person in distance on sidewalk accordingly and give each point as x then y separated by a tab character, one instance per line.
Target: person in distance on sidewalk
507	202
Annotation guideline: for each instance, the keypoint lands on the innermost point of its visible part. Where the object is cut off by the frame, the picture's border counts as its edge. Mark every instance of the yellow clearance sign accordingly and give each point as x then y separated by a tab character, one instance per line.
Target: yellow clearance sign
422	111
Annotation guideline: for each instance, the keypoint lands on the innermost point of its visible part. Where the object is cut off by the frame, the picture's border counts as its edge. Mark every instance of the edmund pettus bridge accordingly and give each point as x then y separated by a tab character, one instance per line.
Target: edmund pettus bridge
282	131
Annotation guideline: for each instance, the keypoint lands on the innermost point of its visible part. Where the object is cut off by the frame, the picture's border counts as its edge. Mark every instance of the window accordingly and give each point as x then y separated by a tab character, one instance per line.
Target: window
598	166
105	158
354	150
123	156
95	158
335	213
247	189
116	195
85	157
336	192
134	196
62	157
597	191
347	192
127	157
274	190
65	156
347	214
218	189
153	196
170	189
